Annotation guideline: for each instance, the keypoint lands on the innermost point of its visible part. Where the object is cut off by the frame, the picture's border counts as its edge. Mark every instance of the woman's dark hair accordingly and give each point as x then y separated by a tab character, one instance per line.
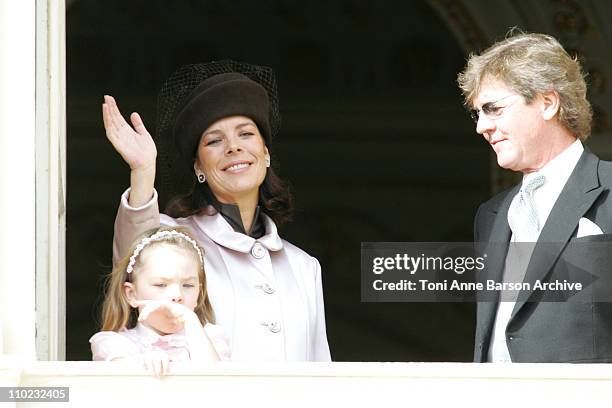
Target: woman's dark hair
274	198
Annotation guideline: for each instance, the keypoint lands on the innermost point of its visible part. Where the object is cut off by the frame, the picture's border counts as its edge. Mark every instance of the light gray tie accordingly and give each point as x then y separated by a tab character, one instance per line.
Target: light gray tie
522	215
523	221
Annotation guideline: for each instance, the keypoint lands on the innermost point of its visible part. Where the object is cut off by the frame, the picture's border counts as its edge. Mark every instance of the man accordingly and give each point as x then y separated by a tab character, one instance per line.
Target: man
529	102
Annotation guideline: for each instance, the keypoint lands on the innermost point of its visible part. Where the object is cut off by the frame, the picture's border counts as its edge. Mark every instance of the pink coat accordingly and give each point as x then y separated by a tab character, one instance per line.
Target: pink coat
266	293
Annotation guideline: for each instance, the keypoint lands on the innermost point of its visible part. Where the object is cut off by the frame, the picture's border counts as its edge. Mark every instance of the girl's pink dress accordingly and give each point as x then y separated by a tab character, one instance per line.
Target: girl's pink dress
132	343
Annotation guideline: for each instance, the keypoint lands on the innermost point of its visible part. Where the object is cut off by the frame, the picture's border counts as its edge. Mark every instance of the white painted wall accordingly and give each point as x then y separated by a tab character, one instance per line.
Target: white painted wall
32	175
17	176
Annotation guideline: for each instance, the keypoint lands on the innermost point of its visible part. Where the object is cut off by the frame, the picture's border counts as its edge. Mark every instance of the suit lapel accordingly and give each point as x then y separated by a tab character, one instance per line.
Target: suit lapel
578	195
496	253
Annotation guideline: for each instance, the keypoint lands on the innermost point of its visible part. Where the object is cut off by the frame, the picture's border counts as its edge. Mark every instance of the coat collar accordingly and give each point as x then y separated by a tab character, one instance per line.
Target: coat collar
222	233
500	236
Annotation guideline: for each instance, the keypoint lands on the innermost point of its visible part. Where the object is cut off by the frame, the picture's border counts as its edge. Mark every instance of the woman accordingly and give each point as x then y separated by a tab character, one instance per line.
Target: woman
266	293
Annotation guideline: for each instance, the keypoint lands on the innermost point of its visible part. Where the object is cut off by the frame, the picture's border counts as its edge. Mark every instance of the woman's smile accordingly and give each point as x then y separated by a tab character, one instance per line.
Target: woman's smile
237	166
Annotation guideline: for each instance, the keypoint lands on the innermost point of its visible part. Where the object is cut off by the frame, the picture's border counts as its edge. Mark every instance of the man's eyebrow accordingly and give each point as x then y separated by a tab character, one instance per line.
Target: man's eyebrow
241	125
485	105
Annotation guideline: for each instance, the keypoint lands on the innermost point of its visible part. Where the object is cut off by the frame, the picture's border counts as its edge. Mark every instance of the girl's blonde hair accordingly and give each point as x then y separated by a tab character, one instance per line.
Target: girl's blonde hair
117	313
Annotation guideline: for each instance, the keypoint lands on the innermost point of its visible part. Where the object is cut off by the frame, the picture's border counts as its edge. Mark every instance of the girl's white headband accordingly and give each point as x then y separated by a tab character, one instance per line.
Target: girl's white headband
161	236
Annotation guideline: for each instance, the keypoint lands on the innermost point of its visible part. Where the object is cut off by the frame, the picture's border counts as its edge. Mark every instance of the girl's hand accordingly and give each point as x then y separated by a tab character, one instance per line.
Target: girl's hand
164	315
134	144
157	362
169	317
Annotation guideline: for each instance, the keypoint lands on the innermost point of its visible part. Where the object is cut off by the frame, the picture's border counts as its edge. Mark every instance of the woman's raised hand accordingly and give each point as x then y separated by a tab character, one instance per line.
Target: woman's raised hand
134	144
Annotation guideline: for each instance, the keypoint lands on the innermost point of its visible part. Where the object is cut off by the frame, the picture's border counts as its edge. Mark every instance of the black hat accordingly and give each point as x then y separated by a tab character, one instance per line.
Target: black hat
217	97
184	86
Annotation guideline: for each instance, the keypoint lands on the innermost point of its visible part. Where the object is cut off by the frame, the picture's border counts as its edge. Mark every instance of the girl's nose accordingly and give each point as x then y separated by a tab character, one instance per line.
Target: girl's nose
175	294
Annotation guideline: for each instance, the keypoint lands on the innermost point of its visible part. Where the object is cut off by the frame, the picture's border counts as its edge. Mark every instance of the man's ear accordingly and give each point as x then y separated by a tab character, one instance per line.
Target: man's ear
551	103
130	293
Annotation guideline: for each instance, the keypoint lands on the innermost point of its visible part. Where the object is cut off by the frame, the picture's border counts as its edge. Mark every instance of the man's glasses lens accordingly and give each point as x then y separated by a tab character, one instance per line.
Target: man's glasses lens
490	109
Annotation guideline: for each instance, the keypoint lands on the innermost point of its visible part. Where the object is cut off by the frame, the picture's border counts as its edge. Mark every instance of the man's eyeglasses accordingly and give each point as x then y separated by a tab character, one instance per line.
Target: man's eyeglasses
490	109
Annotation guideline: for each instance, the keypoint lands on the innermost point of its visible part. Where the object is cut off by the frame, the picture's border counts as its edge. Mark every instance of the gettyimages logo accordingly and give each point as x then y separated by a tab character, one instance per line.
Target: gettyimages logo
412	264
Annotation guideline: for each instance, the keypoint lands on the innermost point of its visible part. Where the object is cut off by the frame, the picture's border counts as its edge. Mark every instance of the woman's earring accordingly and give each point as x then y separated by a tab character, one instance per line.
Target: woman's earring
267	161
201	178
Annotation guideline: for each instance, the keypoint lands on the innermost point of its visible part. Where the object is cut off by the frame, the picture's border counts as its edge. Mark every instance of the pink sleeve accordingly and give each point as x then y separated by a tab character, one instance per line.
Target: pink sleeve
131	222
109	345
219	340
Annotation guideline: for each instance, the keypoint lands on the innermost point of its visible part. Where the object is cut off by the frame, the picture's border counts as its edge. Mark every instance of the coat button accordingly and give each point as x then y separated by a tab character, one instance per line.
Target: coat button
273	326
258	251
267	288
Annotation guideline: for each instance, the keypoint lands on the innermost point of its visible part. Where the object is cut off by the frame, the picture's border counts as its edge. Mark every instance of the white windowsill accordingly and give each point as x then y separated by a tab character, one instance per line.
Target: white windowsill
306	384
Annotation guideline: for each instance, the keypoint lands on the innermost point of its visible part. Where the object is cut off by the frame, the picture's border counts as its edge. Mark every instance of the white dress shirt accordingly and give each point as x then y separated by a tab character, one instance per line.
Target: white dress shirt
557	172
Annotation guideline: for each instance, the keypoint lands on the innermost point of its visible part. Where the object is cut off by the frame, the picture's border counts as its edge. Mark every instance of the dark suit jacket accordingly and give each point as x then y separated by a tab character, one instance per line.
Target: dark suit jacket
550	331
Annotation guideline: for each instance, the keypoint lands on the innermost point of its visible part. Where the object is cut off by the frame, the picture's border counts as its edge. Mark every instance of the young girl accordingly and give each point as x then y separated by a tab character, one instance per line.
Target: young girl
156	308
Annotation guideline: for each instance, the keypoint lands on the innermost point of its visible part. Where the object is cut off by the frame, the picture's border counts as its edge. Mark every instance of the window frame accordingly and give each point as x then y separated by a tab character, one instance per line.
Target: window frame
50	176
